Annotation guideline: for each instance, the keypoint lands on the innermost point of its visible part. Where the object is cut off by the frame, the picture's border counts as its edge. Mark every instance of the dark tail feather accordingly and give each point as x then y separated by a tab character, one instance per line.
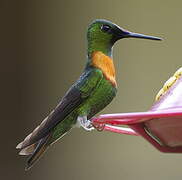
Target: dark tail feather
38	152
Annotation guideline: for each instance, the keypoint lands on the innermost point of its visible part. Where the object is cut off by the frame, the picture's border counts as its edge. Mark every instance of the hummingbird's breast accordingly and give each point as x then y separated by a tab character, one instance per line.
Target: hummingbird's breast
106	65
107	89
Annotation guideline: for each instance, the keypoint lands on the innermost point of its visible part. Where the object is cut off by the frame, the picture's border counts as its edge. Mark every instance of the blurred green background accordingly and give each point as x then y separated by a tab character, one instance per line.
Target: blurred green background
43	47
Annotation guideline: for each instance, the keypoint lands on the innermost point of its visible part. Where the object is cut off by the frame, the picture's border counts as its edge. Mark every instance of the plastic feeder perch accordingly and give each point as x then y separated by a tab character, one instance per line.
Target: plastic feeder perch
161	125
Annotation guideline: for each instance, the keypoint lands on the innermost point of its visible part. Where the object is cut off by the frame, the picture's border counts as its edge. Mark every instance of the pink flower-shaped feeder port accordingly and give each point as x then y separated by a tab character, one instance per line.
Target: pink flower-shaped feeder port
161	125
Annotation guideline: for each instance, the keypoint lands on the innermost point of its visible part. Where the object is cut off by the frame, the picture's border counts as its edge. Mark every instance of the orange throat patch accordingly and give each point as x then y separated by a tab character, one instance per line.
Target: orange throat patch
105	63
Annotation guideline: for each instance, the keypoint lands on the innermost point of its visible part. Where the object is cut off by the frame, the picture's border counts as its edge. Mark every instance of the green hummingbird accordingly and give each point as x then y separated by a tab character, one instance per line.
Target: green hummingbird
94	90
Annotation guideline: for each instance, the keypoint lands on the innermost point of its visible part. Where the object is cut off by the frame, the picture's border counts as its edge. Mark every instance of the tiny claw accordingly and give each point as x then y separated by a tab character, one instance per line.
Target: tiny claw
98	126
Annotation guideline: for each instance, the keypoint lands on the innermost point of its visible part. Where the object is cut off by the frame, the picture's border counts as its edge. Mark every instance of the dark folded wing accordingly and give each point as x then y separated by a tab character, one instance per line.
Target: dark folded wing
73	98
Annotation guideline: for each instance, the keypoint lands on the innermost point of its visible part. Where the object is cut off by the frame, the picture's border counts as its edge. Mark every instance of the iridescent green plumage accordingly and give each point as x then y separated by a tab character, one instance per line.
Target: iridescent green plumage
94	90
100	96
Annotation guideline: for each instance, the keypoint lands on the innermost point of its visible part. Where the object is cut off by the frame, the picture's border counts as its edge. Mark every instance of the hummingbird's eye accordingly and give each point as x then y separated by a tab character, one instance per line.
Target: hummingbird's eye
106	28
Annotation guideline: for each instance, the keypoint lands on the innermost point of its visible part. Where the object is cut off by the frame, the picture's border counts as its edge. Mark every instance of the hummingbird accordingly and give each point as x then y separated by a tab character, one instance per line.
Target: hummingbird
94	90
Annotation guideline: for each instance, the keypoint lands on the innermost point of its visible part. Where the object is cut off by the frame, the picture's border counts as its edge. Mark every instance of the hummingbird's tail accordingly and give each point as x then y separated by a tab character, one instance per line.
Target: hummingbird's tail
40	148
36	150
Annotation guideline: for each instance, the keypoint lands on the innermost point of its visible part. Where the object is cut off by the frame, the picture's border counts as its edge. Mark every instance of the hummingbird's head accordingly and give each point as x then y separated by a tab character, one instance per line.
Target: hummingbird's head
103	30
106	33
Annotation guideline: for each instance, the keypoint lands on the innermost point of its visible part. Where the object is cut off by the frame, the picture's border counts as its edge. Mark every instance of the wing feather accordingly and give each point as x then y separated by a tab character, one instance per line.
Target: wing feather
73	98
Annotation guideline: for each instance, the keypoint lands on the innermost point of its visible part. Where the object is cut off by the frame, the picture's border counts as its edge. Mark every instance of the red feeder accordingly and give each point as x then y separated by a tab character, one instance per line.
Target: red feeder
161	125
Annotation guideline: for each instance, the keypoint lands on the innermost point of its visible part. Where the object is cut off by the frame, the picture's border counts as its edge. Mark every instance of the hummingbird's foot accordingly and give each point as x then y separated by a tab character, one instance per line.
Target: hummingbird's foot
85	123
99	127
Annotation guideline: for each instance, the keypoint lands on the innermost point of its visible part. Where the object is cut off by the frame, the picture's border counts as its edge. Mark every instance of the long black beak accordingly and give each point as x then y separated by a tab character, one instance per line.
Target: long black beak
128	34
